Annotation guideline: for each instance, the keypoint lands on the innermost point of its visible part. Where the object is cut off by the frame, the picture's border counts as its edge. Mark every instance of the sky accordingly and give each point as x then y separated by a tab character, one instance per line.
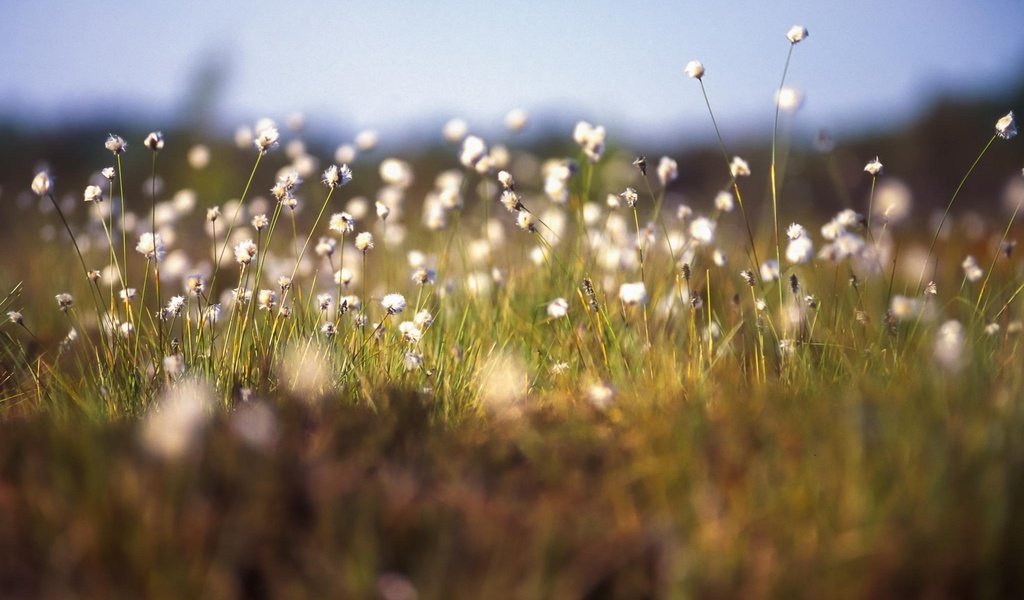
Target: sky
402	65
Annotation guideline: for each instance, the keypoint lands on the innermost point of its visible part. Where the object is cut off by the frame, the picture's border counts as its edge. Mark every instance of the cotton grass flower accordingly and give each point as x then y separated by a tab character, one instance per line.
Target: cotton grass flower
874	167
266	139
668	170
342	223
558	308
630	197
154	141
173	426
364	242
115	144
394	304
797	34
972	271
702	230
516	120
65	301
93	193
42	184
724	201
245	251
1006	127
474	149
633	294
694	69
949	346
455	130
739	167
591	139
335	176
151	245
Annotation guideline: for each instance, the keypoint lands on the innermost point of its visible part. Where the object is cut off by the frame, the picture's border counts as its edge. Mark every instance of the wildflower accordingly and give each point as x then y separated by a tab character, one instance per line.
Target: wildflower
760	304
284	282
474	149
194	285
336	176
789	99
591	139
800	250
108	173
94	275
115	144
323	301
630	196
413	361
770	270
931	290
410	332
212	313
949	345
266	299
992	329
42	183
364	242
600	395
796	34
684	212
344	277
93	193
175	305
393	303
155	141
267	139
694	69
328	329
874	167
212	214
423	276
506	181
558	308
1006	127
423	319
668	170
151	245
245	251
724	201
173	425
516	120
454	130
739	167
127	294
632	294
64	301
702	229
15	317
342	223
325	247
904	308
510	200
971	269
382	211
260	222
525	221
641	163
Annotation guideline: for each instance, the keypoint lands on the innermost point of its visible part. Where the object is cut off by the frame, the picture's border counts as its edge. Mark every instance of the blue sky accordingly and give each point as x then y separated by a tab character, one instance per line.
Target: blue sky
397	65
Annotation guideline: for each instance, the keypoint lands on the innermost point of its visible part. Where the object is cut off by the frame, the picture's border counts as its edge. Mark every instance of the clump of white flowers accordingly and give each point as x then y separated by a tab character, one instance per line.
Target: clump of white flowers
591	139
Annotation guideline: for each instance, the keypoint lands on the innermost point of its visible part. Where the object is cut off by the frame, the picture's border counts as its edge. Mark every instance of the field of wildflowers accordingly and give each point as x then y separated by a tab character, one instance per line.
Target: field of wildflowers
502	374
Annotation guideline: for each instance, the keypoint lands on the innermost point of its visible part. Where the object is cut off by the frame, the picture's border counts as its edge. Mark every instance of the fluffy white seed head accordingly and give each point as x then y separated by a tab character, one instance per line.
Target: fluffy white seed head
694	69
796	34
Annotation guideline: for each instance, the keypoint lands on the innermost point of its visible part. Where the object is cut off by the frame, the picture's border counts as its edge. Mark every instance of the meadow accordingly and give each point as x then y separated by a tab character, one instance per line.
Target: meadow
503	374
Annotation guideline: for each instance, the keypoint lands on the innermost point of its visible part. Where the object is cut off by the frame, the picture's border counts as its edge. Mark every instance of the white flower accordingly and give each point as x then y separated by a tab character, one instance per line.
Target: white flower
724	201
413	361
423	276
393	303
949	345
971	269
694	69
93	193
151	245
260	222
108	173
364	242
633	294
115	144
516	120
342	223
770	270
267	139
874	167
473	150
366	140
558	308
194	285
245	251
796	34
630	196
903	308
506	181
789	99
739	167
41	183
454	130
800	250
382	211
324	301
335	176
410	332
175	305
423	319
668	170
266	299
127	294
1006	127
591	139
525	221
325	247
155	141
702	229
795	231
212	214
